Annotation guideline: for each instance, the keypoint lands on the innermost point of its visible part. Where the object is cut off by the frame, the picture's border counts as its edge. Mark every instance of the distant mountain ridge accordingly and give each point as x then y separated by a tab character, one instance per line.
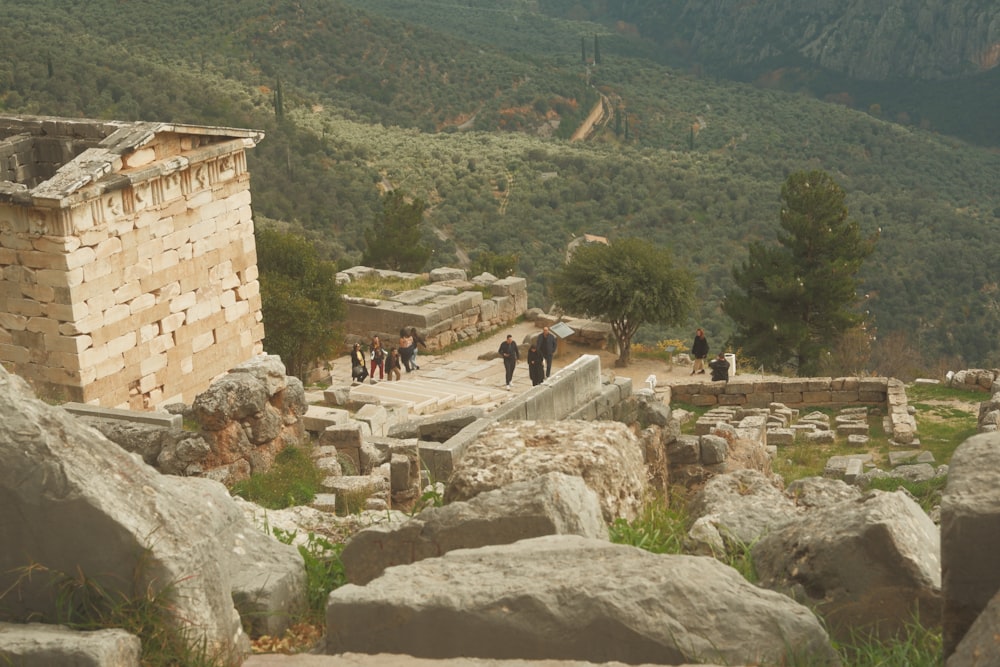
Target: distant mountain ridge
863	39
911	39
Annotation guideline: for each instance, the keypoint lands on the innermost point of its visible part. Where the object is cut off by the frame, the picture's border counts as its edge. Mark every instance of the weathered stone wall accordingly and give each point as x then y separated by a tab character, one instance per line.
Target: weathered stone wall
445	311
793	392
129	275
816	392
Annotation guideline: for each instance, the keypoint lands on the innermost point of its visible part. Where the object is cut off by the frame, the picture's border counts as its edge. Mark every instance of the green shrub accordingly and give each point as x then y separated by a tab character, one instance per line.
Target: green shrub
324	570
293	480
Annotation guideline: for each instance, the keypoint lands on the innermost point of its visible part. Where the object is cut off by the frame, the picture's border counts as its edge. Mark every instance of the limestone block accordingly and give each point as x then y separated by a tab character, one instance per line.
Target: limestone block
780	436
820	437
59	277
39	644
121	344
110	366
42	325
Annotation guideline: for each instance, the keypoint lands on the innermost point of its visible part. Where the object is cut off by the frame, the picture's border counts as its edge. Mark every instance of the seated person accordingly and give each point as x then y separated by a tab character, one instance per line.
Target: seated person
720	368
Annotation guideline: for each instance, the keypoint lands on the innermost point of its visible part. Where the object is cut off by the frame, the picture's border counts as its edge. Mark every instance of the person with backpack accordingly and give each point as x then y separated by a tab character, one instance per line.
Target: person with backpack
358	370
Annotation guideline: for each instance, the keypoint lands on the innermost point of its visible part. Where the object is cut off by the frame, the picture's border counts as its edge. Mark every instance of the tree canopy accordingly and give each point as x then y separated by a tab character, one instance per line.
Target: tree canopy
393	242
300	301
627	283
794	300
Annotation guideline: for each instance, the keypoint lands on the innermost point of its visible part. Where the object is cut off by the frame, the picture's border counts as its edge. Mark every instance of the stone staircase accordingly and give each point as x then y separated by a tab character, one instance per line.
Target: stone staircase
443	385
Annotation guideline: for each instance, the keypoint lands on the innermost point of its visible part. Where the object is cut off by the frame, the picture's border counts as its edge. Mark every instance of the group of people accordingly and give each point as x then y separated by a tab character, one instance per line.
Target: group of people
719	366
387	362
540	354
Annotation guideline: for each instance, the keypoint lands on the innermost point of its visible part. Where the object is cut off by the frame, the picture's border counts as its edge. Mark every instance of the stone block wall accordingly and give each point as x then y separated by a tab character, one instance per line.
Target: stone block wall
444	311
798	392
128	275
793	392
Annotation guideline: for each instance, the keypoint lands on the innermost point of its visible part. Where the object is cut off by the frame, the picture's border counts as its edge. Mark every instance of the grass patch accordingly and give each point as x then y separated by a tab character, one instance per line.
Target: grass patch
293	480
377	287
86	603
927	493
659	529
918	646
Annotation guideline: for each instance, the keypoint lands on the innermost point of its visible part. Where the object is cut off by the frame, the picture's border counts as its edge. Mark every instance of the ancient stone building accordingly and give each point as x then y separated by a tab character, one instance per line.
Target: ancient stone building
128	271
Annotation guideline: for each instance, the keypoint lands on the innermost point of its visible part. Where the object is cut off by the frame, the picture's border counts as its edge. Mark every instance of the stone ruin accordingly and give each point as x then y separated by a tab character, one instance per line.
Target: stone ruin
538	530
128	269
448	309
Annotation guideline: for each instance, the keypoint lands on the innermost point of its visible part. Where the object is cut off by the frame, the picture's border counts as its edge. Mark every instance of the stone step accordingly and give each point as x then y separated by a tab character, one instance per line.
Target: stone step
431	391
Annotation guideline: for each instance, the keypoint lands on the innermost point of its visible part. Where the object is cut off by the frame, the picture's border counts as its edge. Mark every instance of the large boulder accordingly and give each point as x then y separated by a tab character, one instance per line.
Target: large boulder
74	502
970	534
572	598
548	505
866	564
607	455
744	505
980	647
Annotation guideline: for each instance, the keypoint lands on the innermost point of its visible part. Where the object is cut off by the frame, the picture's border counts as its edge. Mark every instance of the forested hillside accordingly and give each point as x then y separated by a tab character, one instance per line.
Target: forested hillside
470	110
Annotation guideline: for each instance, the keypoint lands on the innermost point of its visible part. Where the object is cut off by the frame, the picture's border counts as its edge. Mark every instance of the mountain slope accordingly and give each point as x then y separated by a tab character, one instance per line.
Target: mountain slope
687	162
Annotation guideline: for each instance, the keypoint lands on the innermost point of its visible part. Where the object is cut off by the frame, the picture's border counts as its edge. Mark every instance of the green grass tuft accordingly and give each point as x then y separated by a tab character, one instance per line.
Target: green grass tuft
293	480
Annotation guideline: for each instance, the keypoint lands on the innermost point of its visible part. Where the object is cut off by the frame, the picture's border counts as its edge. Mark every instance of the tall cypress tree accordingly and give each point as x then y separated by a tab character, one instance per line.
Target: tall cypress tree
393	242
794	300
597	51
583	49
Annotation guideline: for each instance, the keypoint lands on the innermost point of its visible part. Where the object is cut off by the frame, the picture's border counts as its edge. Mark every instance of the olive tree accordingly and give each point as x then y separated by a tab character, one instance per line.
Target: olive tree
627	283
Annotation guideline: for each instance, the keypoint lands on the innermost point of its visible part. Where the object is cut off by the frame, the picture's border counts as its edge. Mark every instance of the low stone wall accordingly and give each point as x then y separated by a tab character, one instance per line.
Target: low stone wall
814	392
447	310
793	392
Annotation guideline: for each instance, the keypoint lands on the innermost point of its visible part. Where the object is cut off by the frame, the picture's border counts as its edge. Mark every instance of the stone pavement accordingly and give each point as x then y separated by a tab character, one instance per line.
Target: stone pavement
453	379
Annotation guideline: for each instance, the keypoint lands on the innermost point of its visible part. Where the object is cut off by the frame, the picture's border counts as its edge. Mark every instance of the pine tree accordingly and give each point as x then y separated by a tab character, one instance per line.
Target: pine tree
792	301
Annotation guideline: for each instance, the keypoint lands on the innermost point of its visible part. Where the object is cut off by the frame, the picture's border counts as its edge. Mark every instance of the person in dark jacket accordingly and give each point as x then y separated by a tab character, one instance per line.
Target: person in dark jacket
392	364
508	350
699	348
720	368
547	344
406	349
535	369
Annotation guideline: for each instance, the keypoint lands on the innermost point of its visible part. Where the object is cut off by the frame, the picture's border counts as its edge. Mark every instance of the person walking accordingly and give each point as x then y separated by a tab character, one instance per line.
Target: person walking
508	350
405	349
377	356
720	368
699	348
358	367
417	340
536	370
392	364
547	344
